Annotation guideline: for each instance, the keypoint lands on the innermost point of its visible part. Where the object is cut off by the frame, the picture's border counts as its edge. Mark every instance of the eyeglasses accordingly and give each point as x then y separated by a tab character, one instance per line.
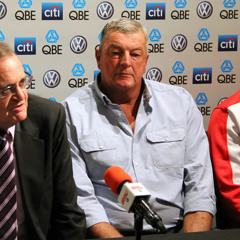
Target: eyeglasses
9	90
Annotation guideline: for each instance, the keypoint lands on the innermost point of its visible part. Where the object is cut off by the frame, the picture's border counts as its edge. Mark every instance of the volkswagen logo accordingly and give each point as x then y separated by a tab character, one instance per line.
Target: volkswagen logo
105	10
179	43
222	100
3	10
154	74
78	44
204	10
51	78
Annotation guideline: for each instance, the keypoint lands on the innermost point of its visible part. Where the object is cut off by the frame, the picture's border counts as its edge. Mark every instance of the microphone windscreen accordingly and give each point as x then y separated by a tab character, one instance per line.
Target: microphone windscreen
114	177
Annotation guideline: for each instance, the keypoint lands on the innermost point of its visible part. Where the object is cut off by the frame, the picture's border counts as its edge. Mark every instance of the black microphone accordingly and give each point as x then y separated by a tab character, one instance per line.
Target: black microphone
133	196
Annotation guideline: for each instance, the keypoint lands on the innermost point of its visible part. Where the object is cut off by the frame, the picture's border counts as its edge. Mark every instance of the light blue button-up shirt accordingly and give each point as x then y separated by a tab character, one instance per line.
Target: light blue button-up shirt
168	153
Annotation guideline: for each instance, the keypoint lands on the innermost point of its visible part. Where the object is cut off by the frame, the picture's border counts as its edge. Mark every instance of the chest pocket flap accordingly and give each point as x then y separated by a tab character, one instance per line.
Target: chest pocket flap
166	135
92	144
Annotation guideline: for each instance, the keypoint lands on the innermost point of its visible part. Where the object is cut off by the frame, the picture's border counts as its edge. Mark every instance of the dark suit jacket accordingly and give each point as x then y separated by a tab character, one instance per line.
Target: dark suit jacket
45	174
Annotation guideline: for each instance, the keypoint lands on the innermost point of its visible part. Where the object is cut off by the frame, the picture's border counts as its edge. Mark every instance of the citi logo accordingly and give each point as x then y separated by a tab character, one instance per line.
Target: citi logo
51	78
25	3
3	10
78	70
25	46
202	75
227	43
105	10
204	9
79	3
179	43
155	11
52	11
131	4
95	73
154	74
78	44
229	3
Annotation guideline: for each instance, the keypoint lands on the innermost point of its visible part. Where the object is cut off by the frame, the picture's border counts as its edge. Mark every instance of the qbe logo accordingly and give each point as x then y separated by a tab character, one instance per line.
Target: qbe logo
229	3
25	3
227	43
155	11
3	10
105	10
79	3
52	11
202	75
51	78
131	4
25	46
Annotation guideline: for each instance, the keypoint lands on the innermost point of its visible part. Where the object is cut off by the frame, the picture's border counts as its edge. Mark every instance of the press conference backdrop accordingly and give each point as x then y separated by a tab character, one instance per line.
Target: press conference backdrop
192	43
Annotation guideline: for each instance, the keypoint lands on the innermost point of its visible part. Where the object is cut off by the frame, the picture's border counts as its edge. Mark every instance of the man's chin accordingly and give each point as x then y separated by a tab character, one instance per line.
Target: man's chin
19	117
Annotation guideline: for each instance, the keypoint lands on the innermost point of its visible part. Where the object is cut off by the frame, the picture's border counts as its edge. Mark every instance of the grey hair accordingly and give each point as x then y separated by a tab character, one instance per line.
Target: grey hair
123	25
5	50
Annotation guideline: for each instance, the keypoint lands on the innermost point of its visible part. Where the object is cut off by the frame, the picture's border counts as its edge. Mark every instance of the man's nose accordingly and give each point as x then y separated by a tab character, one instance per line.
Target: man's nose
126	60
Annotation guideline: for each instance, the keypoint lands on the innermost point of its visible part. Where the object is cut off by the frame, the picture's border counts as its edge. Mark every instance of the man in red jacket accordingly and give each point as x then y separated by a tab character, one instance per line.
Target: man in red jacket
224	139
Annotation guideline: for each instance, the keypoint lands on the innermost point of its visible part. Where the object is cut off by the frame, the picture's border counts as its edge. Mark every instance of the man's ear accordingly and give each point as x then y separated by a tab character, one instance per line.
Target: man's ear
98	56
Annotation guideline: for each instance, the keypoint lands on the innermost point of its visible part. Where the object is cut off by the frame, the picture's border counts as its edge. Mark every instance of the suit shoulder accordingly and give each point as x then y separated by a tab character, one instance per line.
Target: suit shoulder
42	109
36	102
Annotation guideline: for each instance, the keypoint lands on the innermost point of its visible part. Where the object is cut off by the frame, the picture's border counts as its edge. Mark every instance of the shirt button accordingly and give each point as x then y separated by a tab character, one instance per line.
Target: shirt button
136	164
166	138
100	147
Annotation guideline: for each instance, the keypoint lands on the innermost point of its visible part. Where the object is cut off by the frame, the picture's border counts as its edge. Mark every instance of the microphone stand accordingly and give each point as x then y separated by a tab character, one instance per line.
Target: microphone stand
138	225
143	210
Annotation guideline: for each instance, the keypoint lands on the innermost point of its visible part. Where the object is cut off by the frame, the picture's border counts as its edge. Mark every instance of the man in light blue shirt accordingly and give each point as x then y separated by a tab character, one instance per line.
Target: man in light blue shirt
153	131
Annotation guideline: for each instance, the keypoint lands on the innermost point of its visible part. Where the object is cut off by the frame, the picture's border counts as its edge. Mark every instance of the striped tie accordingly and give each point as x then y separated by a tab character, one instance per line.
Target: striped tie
8	202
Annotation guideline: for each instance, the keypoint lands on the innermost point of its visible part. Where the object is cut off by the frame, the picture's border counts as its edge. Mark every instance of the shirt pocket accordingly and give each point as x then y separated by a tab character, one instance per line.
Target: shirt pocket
98	150
167	148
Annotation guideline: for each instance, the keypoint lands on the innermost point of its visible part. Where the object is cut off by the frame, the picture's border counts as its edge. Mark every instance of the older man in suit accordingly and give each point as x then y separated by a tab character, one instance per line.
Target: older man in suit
38	199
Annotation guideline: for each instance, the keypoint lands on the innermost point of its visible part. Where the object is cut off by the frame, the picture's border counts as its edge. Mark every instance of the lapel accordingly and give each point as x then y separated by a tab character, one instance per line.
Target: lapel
29	152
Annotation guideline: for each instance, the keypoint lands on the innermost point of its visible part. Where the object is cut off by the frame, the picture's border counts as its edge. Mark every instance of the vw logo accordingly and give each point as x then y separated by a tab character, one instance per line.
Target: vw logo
154	74
204	10
105	10
51	78
179	43
222	100
78	44
3	10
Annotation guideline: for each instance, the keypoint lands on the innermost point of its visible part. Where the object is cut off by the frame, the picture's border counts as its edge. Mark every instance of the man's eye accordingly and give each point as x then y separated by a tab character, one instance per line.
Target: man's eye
22	83
115	53
6	91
